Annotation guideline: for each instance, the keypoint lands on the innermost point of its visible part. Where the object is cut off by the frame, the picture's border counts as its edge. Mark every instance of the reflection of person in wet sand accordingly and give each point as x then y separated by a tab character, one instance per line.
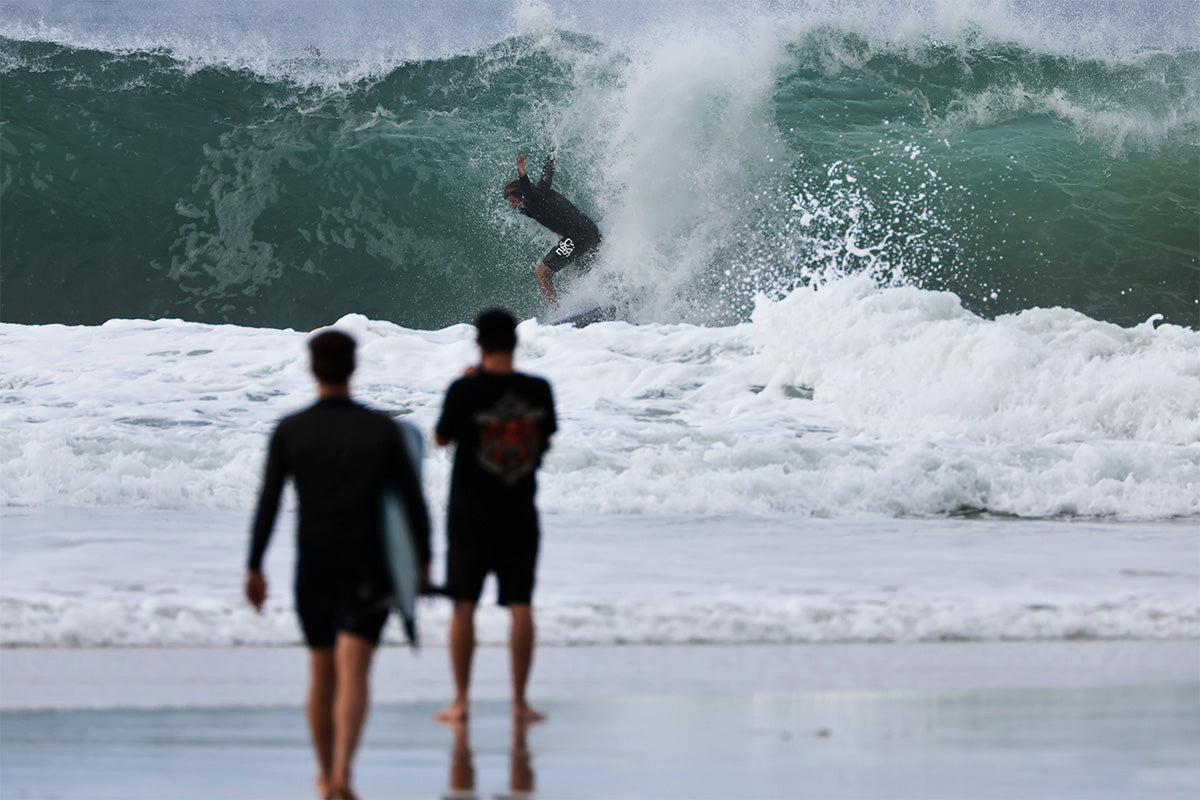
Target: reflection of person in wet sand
462	765
501	421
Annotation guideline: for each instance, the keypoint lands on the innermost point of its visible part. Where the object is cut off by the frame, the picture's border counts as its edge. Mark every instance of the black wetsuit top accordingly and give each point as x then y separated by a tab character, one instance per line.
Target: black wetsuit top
338	452
548	207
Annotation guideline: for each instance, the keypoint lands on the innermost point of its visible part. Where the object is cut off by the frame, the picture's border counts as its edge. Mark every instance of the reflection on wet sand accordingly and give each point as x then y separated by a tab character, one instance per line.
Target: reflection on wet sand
462	765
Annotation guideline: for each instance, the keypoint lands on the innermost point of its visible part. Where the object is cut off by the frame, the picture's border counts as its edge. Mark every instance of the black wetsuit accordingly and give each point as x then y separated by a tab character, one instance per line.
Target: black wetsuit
580	238
339	452
501	424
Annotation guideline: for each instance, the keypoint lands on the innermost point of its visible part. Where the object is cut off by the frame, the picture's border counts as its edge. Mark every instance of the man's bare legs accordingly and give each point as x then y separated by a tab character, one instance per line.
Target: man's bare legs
338	696
353	657
520	644
321	689
462	651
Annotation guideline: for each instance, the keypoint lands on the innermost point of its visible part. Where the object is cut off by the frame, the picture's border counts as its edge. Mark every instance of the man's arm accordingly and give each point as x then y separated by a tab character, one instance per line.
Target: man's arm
264	521
547	171
547	174
526	184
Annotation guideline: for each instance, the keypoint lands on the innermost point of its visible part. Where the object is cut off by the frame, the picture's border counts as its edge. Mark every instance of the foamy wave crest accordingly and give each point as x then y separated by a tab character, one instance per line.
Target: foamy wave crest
841	400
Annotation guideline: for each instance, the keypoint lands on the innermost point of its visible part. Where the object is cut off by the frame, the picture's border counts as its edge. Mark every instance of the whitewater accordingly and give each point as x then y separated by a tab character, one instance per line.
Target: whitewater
853	464
886	376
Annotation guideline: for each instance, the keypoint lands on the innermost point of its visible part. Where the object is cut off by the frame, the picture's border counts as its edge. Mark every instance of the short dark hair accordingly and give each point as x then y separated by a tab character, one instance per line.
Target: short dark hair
497	331
513	187
332	357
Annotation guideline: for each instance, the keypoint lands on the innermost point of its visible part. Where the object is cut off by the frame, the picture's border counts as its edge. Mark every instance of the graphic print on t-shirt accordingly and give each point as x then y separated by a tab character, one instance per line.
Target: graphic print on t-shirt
510	437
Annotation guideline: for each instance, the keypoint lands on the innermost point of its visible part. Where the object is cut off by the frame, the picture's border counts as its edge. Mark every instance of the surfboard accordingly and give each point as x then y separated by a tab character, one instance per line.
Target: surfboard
398	547
581	319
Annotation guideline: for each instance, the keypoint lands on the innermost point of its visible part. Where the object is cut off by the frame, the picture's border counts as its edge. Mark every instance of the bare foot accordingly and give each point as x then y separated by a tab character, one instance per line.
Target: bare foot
526	715
342	792
453	714
323	787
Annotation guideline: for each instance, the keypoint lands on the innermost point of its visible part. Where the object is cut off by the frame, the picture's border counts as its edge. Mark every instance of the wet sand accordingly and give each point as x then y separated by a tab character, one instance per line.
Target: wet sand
981	720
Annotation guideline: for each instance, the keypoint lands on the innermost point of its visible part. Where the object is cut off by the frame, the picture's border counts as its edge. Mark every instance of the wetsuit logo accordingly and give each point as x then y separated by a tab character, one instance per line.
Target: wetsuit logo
565	248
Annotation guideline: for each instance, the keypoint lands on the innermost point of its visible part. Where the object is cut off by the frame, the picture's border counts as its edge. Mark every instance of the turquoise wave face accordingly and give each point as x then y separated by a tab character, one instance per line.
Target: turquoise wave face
1012	178
137	185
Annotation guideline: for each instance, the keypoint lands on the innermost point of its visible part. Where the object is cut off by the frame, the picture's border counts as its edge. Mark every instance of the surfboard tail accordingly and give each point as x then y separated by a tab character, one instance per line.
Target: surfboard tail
410	630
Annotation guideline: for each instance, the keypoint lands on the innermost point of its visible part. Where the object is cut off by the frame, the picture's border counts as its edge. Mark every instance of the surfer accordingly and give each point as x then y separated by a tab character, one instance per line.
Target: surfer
338	453
579	238
501	422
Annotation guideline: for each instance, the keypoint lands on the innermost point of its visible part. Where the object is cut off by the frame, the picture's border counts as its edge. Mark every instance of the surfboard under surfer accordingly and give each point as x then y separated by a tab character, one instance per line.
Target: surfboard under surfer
579	237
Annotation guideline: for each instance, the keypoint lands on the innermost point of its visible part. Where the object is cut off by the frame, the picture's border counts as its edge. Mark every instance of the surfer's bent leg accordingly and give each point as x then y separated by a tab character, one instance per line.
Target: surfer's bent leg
545	282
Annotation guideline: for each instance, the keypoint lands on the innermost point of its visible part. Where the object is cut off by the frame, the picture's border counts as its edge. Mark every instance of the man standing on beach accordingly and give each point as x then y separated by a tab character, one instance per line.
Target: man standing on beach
339	454
579	237
501	421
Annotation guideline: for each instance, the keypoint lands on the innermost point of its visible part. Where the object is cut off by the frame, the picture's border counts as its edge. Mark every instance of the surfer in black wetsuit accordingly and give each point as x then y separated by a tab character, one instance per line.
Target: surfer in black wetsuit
338	453
579	237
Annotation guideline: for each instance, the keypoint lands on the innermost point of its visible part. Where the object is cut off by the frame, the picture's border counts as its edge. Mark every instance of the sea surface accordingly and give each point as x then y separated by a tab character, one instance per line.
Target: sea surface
282	164
909	344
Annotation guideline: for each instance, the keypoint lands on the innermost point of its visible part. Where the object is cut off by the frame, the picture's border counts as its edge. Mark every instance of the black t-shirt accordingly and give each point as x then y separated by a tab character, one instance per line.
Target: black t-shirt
501	424
338	453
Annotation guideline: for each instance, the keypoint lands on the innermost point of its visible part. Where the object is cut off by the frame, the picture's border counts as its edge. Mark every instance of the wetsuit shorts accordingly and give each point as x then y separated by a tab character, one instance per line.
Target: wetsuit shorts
341	589
513	560
571	251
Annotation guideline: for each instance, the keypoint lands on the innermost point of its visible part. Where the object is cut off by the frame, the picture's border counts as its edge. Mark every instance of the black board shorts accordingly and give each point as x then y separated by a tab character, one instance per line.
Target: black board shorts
512	559
571	251
341	589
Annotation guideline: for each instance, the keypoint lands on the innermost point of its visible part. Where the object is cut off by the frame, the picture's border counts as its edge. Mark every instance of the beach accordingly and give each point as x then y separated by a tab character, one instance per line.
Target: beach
1002	720
881	484
911	690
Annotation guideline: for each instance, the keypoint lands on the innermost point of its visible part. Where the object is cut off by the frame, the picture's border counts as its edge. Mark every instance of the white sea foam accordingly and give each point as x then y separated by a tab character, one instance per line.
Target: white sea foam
839	401
752	483
113	578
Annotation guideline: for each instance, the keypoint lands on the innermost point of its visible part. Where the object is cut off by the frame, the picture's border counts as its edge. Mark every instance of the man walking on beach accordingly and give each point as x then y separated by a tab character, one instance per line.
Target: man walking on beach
339	454
579	237
501	421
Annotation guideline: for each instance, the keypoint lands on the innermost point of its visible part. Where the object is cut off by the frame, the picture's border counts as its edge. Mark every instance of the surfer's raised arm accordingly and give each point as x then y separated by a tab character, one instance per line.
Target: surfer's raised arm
522	188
